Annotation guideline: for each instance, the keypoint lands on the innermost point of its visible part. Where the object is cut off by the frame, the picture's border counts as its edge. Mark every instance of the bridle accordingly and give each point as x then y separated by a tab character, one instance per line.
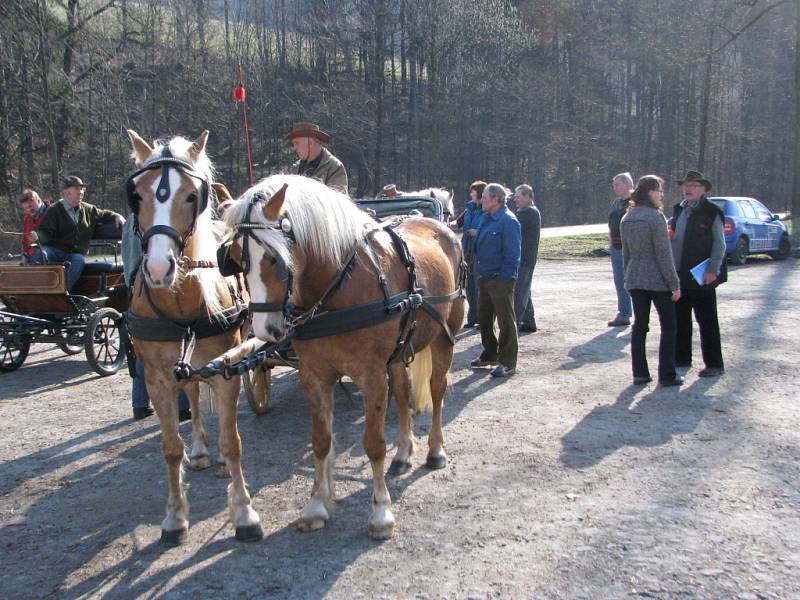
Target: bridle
163	193
245	230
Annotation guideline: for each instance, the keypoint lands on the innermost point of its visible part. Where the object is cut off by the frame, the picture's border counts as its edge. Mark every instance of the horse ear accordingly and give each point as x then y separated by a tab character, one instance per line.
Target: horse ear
222	192
433	195
274	206
452	193
141	149
199	145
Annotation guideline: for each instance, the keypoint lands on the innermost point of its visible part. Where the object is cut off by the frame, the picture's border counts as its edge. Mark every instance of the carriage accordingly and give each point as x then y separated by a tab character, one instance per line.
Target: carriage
37	308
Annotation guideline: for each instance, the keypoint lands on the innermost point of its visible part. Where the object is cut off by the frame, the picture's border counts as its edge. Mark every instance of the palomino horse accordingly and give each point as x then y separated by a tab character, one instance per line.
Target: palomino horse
183	309
442	196
302	244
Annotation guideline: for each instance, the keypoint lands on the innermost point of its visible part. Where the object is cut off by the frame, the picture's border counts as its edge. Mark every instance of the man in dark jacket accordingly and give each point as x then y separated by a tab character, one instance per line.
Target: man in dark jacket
530	220
497	248
697	231
67	228
315	160
623	188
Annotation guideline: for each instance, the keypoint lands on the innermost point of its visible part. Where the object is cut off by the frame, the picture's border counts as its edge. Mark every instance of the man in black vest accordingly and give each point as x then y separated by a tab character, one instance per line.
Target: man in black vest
697	232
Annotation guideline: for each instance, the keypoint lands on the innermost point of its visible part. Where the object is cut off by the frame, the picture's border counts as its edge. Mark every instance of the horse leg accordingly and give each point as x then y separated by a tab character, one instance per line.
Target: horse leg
375	391
319	395
163	391
245	520
401	388
442	357
199	458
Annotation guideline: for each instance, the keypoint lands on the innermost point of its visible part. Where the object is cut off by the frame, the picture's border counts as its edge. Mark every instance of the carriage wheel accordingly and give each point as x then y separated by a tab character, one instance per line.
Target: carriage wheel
257	385
13	353
103	343
71	344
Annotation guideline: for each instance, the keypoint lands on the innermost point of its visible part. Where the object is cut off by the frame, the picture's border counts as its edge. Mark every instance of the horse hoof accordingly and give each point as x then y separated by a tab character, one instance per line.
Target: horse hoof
312	524
399	467
436	462
173	538
199	463
249	533
384	532
221	472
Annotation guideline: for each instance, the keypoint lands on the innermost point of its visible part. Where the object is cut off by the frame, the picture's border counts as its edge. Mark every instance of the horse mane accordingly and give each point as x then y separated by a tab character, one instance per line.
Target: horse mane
325	223
202	245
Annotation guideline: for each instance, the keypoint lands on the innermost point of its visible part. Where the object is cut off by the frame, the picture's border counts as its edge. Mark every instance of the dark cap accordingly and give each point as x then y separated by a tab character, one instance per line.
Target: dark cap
72	181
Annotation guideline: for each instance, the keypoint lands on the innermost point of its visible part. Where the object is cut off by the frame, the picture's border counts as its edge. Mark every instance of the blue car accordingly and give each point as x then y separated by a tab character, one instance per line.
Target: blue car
751	228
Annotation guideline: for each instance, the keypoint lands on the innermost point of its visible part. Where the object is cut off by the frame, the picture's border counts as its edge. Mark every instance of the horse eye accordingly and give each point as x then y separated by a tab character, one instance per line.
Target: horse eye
191	198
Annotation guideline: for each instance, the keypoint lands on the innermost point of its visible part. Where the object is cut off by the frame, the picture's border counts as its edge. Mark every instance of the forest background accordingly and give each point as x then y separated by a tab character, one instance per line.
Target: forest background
561	94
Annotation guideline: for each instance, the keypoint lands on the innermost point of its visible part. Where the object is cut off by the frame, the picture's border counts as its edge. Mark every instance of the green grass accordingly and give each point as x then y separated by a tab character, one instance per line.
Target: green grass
573	247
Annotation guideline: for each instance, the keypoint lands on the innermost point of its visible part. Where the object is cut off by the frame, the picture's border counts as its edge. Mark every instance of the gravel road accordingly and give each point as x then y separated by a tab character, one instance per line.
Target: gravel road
564	481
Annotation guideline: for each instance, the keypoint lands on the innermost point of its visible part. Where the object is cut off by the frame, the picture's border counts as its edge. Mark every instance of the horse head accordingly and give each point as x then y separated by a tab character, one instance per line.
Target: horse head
169	193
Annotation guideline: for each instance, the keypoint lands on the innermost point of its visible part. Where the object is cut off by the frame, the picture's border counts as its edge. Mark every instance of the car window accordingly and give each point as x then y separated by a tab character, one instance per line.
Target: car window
762	211
747	209
728	208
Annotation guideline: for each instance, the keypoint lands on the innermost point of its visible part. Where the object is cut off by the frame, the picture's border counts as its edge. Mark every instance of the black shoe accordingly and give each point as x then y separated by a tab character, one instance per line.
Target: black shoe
683	365
642	380
184	415
479	362
677	380
527	328
502	371
619	322
711	372
142	413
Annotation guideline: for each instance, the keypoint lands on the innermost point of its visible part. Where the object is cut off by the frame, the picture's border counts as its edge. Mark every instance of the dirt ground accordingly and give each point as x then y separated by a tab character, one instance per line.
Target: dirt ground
564	481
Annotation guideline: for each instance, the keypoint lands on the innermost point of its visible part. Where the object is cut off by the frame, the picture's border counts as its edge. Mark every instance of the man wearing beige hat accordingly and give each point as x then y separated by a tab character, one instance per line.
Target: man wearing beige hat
315	160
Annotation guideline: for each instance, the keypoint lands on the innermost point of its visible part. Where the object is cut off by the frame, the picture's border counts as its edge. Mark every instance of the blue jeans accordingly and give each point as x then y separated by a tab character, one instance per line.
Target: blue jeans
623	298
47	255
523	304
139	397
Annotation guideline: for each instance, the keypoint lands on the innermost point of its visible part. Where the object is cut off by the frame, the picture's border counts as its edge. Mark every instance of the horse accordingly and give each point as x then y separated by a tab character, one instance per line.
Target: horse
302	244
182	308
442	196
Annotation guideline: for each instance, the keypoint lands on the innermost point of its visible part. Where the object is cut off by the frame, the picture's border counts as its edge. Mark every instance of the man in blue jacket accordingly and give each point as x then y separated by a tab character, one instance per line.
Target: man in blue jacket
497	256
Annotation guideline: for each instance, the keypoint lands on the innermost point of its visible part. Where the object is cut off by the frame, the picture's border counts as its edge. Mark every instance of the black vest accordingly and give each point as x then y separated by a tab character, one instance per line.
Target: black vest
698	241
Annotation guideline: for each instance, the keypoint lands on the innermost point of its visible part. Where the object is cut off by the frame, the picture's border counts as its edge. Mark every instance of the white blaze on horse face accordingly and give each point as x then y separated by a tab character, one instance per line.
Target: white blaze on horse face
161	250
267	326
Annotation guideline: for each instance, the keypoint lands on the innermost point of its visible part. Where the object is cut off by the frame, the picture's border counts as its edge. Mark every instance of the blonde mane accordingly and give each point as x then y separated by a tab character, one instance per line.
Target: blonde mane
325	223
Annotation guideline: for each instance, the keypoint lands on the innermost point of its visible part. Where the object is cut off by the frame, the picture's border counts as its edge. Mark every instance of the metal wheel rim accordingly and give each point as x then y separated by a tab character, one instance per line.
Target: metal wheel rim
106	341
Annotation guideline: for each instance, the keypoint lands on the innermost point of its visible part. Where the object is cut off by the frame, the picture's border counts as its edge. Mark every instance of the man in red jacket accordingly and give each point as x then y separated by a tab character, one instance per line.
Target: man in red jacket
33	209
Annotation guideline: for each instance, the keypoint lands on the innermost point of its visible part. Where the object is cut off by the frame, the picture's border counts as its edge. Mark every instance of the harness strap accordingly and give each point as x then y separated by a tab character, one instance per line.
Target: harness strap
159	330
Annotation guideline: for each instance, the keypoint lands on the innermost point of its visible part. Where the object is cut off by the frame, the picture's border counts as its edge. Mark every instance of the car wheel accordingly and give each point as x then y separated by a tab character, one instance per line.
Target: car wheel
784	249
740	252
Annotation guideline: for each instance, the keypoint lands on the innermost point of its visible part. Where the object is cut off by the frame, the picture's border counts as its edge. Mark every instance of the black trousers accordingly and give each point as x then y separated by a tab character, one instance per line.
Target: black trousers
665	308
704	305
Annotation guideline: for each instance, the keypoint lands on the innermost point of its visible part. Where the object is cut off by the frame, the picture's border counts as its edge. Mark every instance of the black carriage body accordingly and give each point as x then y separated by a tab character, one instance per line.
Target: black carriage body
398	206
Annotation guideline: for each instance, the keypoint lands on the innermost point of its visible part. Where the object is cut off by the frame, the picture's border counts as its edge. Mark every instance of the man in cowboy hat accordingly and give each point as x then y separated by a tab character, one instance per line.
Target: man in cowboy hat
697	230
67	229
315	160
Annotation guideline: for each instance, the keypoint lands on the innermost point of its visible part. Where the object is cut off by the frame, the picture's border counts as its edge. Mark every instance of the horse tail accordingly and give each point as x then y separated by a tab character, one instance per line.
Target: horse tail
420	373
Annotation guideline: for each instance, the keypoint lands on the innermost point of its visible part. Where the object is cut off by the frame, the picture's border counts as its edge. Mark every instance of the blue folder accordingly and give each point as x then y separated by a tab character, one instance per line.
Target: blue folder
699	271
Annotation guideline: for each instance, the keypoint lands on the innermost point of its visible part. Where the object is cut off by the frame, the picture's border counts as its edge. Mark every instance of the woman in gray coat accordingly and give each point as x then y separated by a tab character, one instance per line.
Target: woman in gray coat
650	277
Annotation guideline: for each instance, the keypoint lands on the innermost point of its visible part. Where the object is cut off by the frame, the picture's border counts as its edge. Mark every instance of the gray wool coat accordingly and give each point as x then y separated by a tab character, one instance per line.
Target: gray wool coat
646	251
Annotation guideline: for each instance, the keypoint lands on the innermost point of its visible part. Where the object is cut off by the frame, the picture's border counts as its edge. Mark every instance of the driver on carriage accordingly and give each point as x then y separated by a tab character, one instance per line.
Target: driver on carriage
67	228
316	161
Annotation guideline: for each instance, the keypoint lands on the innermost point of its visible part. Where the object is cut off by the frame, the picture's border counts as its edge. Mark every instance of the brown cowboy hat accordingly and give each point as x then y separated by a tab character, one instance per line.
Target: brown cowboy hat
389	190
311	130
695	176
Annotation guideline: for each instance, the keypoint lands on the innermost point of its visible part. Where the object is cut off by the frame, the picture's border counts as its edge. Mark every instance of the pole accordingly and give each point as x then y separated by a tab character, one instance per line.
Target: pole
246	130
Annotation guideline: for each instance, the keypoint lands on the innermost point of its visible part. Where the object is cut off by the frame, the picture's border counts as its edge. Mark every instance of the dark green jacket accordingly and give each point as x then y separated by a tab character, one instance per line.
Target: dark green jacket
58	230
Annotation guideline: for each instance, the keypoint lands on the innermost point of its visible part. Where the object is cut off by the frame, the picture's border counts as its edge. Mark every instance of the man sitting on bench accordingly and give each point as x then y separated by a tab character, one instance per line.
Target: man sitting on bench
67	228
